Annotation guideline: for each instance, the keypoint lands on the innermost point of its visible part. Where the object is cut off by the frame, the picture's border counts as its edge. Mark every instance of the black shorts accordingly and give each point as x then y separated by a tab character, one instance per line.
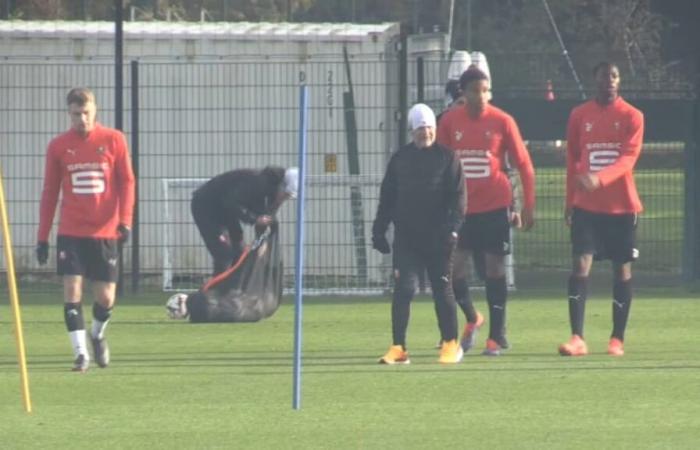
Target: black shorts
605	236
487	232
95	259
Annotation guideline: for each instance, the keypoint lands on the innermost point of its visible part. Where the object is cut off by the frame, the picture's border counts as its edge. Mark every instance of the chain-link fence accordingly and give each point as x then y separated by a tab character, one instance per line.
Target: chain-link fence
199	119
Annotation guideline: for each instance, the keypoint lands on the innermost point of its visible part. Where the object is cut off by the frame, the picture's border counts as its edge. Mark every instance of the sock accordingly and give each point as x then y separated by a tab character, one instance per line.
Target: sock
79	343
463	298
578	293
100	318
73	316
75	323
622	300
496	292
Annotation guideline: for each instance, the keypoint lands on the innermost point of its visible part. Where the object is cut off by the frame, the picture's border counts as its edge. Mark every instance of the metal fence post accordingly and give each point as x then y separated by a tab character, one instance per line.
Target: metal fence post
691	234
403	86
135	241
420	79
118	106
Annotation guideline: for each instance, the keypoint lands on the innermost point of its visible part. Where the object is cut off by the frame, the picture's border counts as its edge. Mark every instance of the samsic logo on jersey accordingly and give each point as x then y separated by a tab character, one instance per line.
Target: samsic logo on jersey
602	154
472	152
99	165
603	146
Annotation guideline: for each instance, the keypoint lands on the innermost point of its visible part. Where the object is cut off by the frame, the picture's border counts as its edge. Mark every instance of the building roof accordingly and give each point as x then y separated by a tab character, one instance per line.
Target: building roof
259	31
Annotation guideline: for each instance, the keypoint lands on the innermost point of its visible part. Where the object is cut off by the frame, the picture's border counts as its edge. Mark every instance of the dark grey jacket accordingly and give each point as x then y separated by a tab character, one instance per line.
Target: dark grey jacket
423	194
240	195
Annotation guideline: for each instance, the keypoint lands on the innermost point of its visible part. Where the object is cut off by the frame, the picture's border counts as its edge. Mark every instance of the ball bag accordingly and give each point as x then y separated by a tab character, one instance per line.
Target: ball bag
248	291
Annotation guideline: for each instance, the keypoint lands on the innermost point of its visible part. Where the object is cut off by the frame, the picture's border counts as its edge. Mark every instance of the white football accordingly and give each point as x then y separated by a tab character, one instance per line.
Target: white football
176	306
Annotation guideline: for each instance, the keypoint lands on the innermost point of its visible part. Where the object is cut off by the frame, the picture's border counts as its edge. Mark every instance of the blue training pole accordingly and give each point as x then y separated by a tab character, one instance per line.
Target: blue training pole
299	254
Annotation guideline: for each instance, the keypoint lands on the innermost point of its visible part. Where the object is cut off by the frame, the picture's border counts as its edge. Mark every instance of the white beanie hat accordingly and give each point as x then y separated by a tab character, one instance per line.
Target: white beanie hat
291	181
420	115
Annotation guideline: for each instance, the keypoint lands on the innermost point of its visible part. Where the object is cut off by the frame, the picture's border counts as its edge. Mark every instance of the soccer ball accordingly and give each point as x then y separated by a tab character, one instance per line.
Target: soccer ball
176	306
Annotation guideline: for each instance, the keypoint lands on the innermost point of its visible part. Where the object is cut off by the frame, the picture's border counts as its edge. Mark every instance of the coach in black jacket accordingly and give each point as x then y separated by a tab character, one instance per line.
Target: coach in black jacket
244	195
423	194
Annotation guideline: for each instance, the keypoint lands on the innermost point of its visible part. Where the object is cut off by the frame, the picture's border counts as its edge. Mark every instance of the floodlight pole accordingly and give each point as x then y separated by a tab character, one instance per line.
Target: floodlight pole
299	253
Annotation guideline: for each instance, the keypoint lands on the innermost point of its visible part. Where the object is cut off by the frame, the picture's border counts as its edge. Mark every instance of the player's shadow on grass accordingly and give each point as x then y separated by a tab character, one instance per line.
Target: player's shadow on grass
281	362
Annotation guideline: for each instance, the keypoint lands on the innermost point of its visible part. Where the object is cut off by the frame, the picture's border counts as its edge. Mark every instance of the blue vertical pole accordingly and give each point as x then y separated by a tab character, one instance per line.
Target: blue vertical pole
299	254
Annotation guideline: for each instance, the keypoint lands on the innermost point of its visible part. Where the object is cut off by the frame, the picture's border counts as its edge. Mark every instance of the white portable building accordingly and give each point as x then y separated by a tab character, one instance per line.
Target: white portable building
215	97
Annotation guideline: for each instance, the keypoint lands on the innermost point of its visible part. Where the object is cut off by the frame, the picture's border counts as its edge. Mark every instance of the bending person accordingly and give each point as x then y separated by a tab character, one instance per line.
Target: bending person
239	196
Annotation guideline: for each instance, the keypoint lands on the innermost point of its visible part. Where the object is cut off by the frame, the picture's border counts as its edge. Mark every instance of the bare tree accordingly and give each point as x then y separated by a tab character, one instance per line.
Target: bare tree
39	9
626	31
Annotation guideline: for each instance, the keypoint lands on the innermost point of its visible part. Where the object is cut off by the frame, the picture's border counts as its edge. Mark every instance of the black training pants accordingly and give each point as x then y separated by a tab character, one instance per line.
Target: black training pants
409	261
225	251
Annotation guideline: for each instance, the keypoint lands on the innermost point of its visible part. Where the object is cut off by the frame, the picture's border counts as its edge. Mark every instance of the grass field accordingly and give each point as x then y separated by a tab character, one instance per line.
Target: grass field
660	231
174	385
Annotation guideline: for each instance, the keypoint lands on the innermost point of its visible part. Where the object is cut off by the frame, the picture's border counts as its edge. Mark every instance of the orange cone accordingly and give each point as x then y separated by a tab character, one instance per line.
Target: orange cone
549	96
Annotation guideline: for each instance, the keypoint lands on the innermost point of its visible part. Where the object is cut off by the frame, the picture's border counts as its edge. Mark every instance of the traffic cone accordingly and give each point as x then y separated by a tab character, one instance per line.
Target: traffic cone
549	96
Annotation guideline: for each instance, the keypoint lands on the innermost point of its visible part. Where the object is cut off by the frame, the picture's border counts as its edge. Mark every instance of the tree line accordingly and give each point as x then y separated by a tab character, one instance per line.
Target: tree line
628	31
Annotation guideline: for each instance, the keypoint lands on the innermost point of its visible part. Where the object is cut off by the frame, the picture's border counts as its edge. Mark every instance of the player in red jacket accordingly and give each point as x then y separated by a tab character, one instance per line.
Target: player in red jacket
604	140
89	166
483	136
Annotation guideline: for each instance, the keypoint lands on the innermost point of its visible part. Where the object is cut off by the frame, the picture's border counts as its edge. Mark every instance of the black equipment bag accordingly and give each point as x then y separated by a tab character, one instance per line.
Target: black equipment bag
250	290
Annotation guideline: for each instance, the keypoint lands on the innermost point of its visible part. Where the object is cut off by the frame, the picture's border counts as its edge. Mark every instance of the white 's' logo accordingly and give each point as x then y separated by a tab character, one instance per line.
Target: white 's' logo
70	151
458	135
617	125
588	126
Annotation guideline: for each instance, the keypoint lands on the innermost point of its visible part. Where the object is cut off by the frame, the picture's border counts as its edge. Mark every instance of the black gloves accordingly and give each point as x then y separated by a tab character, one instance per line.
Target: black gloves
42	252
123	232
380	244
261	228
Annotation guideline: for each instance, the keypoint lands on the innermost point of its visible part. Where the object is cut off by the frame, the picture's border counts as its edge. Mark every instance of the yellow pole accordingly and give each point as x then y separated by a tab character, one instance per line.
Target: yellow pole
14	299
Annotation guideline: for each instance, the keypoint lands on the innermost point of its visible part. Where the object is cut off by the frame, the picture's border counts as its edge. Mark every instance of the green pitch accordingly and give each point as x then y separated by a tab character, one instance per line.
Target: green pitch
173	385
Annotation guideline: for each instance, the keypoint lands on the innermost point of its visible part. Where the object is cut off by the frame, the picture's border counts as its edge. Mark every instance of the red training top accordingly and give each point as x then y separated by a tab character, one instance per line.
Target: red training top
95	177
605	140
482	144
